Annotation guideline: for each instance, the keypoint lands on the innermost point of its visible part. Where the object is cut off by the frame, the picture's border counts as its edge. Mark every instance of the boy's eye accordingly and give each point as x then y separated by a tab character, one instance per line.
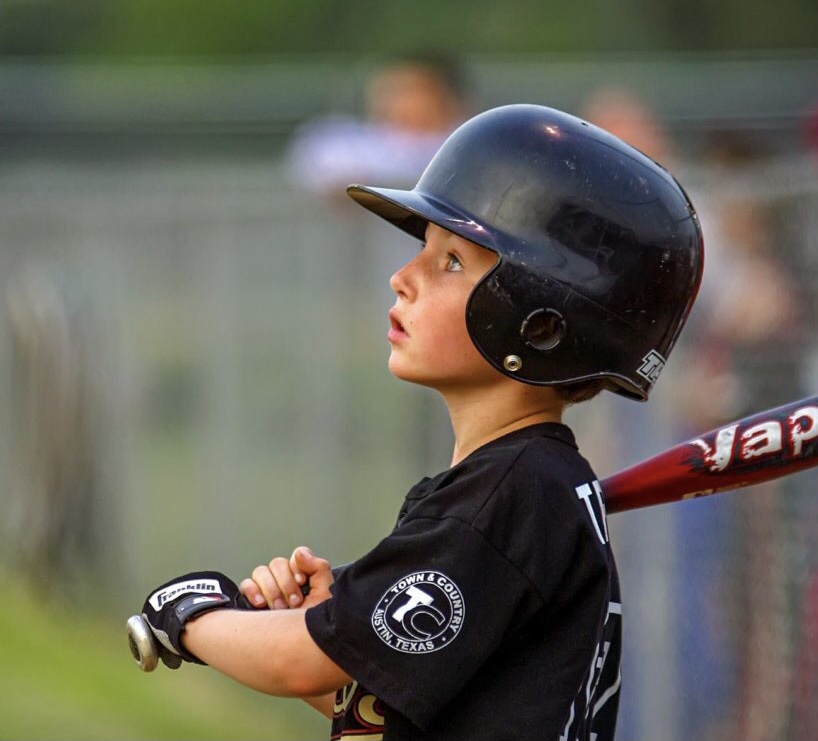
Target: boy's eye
453	263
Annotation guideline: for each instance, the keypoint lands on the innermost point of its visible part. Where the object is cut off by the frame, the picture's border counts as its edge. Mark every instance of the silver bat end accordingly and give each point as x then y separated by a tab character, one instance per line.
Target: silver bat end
142	644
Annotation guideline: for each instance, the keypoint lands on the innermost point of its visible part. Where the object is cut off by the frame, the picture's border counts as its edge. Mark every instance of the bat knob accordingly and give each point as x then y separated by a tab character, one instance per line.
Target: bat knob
142	644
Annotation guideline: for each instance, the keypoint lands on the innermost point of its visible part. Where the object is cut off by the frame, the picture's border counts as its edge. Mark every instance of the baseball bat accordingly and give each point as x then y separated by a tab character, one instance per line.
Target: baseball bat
765	446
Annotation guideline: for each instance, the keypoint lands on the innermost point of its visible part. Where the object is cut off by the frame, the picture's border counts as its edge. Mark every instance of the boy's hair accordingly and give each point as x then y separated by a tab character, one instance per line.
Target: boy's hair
576	393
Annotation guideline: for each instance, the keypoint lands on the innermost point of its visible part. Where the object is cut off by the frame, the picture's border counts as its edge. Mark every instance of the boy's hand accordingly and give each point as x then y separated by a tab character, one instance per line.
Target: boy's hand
172	605
303	580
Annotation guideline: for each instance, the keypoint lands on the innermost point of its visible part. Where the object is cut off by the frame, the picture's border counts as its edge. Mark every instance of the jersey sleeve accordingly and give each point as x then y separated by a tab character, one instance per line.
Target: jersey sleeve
416	618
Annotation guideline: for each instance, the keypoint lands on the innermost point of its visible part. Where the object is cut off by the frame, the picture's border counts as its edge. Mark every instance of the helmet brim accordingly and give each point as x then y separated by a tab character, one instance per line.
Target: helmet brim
411	211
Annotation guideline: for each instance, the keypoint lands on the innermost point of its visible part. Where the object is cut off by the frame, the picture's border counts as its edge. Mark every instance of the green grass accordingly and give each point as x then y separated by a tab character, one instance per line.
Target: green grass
66	675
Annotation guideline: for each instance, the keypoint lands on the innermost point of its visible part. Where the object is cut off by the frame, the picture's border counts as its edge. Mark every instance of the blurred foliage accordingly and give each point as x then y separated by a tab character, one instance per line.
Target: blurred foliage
65	674
217	28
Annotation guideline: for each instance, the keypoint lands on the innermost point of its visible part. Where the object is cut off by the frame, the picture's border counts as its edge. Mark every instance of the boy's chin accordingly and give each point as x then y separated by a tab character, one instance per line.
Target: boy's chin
402	373
483	375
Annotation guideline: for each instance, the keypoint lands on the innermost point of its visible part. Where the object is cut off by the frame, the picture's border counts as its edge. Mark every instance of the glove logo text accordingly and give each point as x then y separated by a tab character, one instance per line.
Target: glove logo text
172	591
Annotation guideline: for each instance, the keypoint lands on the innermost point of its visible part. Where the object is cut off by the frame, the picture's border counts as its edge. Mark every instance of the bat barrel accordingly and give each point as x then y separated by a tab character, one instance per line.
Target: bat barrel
758	448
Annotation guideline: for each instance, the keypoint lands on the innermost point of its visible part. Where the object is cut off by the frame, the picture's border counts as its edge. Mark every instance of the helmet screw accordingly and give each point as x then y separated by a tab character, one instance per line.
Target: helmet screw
512	363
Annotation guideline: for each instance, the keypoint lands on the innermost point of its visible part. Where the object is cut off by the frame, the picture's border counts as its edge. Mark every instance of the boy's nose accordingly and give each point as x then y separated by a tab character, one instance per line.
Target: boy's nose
401	281
396	281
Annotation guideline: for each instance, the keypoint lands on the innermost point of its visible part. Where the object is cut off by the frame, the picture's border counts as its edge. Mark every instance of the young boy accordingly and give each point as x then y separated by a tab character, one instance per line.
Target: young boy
555	261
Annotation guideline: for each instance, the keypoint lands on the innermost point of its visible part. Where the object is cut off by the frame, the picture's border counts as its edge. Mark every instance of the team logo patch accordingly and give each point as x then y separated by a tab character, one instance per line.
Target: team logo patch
421	613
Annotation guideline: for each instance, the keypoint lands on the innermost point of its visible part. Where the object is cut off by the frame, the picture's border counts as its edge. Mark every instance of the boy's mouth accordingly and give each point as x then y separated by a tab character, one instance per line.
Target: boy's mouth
396	328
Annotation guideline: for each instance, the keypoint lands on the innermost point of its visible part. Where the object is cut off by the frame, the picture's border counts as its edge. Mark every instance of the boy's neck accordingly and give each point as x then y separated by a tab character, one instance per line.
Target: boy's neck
485	415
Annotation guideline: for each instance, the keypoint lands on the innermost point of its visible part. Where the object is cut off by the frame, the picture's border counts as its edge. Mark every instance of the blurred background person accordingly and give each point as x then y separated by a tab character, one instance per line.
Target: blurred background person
411	103
749	317
623	111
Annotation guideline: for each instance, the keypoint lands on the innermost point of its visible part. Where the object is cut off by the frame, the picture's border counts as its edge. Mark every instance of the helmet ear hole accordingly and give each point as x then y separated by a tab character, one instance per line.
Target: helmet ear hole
543	329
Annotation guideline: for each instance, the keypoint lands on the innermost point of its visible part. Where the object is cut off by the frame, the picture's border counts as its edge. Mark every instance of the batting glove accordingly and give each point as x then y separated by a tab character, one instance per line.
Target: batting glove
172	605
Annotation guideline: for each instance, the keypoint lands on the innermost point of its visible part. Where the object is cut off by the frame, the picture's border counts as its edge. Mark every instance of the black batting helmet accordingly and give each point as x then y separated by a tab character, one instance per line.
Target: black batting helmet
600	250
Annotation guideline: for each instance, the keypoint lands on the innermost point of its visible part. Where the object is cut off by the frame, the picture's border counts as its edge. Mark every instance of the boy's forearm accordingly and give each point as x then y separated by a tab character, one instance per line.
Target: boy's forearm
268	650
323	704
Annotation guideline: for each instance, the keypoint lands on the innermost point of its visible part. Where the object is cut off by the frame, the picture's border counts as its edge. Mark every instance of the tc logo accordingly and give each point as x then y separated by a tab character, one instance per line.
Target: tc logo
422	612
652	365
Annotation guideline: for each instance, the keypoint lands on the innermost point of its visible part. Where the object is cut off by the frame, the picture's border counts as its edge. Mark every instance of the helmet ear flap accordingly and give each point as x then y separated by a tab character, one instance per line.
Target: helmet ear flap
513	321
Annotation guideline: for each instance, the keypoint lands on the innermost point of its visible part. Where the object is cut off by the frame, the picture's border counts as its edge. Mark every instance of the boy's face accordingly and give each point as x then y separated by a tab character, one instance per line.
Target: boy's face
430	343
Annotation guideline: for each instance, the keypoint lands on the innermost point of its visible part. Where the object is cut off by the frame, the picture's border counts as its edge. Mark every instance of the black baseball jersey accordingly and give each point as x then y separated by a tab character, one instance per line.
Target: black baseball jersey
490	612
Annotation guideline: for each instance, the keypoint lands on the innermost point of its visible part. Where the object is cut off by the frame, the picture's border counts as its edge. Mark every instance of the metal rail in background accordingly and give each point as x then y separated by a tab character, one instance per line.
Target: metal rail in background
271	96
